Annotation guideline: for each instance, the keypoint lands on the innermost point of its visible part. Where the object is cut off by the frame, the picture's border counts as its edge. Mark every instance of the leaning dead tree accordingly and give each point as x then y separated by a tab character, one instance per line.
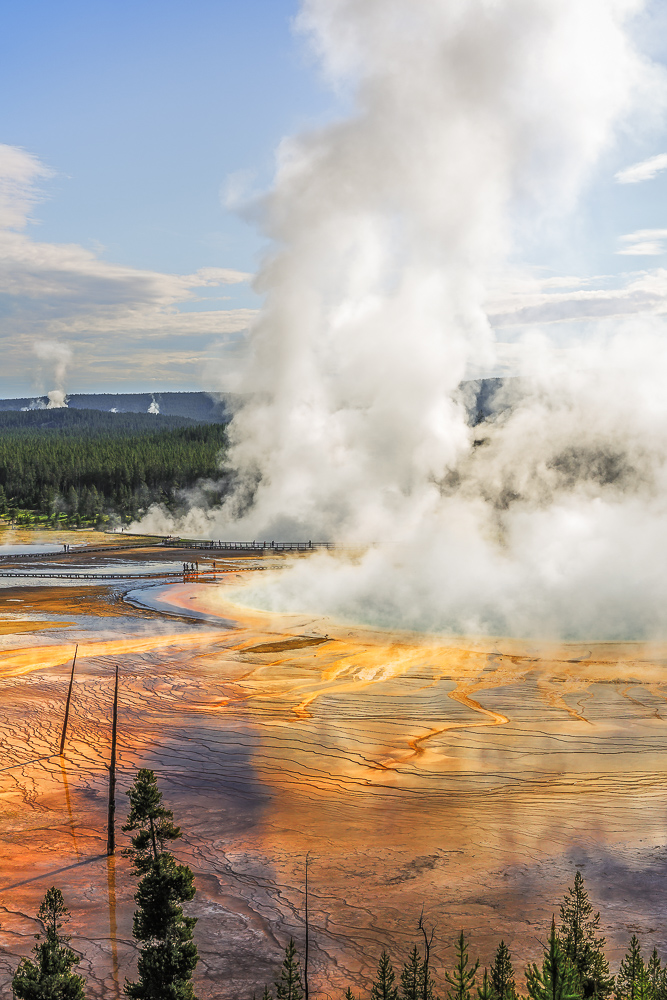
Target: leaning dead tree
67	703
111	818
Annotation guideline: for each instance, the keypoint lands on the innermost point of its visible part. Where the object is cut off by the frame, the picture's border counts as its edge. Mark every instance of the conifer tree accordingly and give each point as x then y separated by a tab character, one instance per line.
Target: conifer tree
557	980
644	988
168	954
267	995
486	991
349	995
657	976
502	974
151	819
384	986
289	986
581	945
462	979
412	977
631	973
50	975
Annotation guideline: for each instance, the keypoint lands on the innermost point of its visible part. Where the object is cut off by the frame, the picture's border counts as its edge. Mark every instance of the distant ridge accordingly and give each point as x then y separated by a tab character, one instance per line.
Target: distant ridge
482	398
195	405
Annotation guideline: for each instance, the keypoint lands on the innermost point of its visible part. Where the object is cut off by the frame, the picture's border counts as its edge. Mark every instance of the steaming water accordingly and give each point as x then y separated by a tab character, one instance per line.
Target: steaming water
469	776
474	128
9	549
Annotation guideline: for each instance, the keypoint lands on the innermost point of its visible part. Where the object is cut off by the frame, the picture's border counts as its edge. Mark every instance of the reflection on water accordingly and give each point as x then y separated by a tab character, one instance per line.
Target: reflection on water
113	928
466	776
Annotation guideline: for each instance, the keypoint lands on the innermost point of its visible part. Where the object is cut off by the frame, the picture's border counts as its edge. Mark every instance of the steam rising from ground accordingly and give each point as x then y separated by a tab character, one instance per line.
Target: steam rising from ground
475	125
55	357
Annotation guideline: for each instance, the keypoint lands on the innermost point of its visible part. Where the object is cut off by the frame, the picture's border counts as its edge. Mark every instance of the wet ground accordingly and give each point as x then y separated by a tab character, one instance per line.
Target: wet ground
470	777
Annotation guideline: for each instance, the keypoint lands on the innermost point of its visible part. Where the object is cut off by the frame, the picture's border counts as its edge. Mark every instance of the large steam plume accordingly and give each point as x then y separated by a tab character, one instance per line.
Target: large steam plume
476	122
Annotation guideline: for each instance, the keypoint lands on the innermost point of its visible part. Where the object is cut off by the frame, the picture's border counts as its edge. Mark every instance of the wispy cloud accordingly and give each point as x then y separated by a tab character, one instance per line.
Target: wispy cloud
540	302
644	243
20	173
70	292
646	170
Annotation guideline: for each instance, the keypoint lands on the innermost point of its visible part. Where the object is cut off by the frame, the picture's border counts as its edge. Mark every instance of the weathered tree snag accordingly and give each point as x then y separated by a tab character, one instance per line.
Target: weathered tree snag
428	941
111	821
69	698
305	964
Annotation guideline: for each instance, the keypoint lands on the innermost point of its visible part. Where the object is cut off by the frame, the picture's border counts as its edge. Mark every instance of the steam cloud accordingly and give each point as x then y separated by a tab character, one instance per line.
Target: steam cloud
57	356
475	124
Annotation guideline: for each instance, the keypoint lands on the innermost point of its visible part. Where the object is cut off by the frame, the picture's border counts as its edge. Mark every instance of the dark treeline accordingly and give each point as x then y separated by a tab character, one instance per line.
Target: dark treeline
573	965
98	423
80	466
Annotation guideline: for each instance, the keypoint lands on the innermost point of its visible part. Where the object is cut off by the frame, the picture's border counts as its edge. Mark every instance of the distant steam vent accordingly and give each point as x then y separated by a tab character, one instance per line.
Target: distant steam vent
198	406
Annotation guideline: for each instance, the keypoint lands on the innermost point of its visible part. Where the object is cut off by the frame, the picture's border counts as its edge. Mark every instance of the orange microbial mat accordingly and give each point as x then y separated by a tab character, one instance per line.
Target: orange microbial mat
468	776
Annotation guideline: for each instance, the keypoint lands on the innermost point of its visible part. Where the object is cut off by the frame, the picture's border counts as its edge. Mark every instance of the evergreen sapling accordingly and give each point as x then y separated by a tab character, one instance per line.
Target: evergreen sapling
50	976
384	986
579	938
462	979
557	980
412	977
502	974
485	991
168	954
289	986
632	973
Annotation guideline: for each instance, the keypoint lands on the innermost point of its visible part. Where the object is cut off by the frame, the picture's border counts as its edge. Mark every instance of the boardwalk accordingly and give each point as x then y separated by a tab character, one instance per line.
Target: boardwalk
220	546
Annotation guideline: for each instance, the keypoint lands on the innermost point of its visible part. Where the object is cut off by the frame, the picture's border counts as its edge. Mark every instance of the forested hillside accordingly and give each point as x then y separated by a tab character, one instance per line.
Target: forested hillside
85	467
200	406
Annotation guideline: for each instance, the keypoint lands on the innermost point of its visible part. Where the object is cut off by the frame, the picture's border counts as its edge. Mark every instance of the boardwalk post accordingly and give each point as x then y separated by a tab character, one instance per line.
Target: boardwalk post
111	821
69	698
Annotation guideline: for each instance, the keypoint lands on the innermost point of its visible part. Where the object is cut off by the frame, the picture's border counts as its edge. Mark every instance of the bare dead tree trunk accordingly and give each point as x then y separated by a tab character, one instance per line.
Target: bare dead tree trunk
305	964
111	821
69	698
428	941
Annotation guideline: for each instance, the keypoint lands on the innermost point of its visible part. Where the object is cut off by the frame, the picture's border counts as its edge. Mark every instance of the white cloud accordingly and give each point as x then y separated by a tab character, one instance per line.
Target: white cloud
646	170
644	243
69	292
19	173
528	301
217	276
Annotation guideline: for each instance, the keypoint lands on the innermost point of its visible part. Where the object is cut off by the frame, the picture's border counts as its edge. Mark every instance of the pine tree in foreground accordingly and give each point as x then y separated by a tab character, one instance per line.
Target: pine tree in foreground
462	979
349	995
384	986
50	976
485	991
632	975
289	986
502	974
152	821
581	945
557	980
657	976
412	977
168	954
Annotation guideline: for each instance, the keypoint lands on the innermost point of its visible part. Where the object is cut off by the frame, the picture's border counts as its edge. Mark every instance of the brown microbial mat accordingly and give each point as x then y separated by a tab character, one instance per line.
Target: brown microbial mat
466	776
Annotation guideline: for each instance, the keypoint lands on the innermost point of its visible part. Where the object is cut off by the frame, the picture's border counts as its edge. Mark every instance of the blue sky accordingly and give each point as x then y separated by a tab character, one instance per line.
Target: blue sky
134	121
143	110
145	114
